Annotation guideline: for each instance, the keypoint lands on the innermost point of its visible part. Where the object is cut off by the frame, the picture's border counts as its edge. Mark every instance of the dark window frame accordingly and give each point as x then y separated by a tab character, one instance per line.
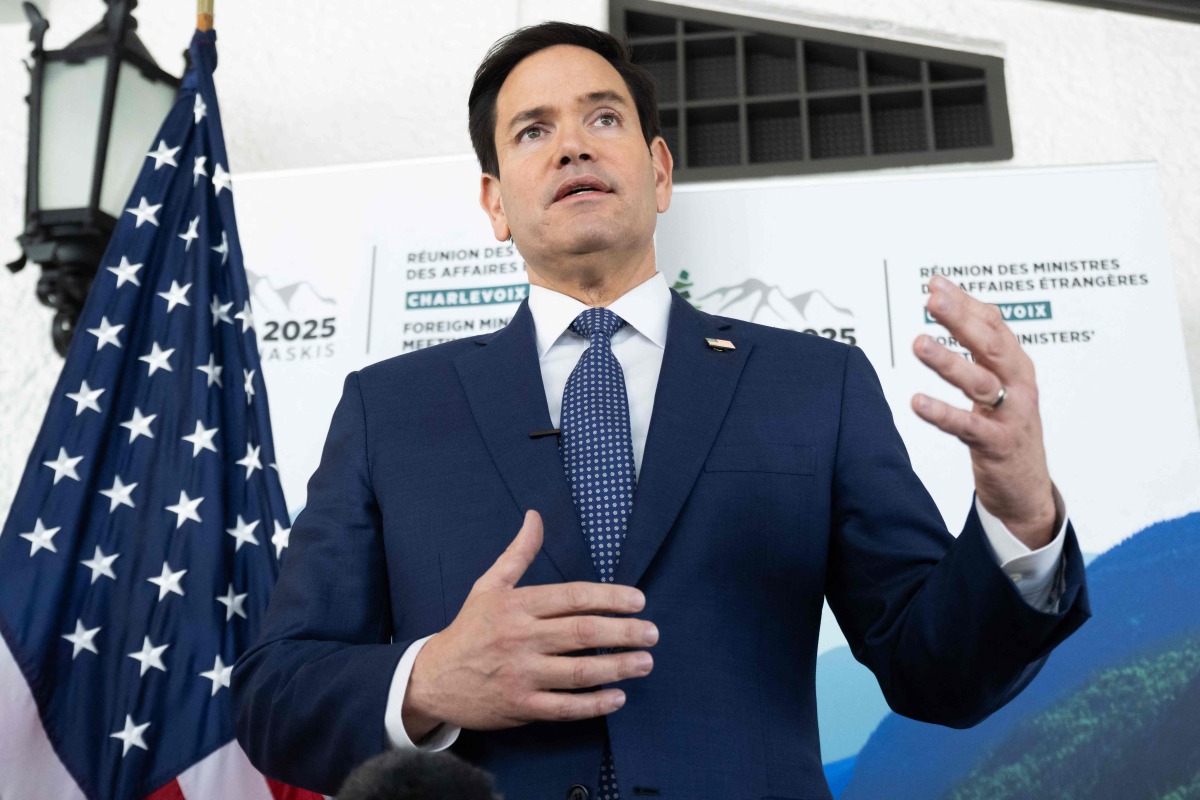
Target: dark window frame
1178	10
725	122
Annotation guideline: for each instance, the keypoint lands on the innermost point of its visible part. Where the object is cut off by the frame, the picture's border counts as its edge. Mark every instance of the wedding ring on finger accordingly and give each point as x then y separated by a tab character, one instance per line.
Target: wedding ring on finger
992	406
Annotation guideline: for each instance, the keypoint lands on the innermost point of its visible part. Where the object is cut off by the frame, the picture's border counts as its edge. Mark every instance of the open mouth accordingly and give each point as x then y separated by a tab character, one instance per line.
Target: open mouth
581	187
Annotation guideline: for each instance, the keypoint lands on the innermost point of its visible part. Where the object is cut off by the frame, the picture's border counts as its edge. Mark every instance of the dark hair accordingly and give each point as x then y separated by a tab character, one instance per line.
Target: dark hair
523	42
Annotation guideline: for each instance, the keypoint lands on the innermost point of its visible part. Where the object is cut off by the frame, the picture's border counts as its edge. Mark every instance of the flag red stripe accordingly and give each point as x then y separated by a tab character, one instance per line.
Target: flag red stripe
281	791
168	791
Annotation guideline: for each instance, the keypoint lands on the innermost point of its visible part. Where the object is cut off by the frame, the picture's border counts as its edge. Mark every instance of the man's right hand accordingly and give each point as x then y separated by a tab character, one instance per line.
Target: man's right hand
500	663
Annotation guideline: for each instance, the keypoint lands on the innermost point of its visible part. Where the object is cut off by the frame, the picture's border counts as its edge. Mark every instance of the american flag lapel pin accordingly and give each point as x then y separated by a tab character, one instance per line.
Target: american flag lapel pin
720	345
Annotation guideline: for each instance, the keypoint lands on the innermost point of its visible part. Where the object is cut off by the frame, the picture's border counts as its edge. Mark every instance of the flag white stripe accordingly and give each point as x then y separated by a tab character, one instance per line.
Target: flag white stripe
225	773
29	767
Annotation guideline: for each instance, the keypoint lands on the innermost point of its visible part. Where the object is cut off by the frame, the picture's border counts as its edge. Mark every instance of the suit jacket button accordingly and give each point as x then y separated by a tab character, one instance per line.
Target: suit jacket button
578	792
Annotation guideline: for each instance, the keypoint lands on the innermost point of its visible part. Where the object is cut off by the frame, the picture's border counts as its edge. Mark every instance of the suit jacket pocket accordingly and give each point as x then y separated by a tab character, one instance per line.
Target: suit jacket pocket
794	459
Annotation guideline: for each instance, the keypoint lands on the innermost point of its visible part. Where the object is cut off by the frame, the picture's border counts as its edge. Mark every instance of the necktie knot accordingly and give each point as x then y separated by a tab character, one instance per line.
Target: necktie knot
597	322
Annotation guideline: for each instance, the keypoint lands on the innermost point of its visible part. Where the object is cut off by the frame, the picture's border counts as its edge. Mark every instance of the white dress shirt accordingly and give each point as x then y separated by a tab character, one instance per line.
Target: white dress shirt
639	346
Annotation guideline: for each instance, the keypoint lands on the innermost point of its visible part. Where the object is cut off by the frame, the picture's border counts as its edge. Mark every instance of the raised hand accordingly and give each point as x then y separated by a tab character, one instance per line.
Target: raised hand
499	664
1003	429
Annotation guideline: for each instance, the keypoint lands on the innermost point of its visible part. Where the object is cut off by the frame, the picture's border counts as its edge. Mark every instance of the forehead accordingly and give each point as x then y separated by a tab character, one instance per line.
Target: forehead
557	75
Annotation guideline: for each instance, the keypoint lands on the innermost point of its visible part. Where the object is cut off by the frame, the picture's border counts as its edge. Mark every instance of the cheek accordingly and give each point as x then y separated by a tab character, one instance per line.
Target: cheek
516	203
650	190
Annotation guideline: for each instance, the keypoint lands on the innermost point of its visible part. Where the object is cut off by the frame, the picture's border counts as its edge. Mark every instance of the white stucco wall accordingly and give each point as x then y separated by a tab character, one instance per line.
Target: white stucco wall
306	85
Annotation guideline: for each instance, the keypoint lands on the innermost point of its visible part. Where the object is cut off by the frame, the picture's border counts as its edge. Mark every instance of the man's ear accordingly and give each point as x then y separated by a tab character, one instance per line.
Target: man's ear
493	205
663	164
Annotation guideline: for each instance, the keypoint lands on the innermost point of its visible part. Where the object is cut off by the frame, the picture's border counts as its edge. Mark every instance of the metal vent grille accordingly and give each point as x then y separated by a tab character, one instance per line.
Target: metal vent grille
742	97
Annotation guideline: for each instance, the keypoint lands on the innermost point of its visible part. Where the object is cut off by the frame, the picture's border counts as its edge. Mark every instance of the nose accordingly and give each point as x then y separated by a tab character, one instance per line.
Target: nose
573	146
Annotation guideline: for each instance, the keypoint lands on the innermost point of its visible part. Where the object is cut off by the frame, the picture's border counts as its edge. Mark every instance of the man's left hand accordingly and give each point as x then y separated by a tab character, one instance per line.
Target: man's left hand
1008	456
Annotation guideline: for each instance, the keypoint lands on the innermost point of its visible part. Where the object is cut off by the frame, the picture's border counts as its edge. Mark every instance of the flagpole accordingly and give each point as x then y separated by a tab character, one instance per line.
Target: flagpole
204	15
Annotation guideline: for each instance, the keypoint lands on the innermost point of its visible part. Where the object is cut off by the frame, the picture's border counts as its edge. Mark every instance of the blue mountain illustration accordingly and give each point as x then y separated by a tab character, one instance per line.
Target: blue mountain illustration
1145	597
838	774
1128	733
850	705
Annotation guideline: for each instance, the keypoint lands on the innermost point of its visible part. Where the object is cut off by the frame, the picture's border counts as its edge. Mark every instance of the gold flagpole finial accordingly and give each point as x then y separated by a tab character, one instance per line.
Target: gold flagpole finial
204	15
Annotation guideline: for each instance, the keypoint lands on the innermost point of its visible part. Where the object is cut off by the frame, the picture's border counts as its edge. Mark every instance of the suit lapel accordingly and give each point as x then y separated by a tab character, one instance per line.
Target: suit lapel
503	384
695	387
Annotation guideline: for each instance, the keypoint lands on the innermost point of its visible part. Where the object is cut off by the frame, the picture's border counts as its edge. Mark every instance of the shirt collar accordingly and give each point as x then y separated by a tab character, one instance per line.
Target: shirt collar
646	308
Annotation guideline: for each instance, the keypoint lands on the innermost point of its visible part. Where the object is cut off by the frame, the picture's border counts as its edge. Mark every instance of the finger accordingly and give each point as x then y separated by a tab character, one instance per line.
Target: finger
978	383
580	597
979	327
512	563
582	672
565	706
567	634
974	430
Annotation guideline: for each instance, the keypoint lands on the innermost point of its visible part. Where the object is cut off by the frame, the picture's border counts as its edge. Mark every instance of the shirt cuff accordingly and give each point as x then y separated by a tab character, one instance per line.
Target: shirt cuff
440	737
1035	573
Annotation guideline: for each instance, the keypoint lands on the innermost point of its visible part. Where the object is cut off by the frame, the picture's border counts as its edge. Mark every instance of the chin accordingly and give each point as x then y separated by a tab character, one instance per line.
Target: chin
598	237
591	242
578	237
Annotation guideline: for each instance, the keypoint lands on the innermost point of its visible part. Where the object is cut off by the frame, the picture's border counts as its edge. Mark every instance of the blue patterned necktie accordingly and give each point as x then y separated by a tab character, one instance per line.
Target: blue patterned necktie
597	454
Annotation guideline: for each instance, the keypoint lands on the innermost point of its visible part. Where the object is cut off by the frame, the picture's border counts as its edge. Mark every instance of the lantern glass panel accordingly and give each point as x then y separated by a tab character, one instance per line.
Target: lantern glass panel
72	95
141	106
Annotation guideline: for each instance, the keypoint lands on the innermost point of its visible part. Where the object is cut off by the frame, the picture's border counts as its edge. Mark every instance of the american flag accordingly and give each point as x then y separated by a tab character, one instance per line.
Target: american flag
143	542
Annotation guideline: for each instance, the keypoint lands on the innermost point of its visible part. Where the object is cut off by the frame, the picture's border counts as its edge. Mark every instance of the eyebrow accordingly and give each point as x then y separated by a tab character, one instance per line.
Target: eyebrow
602	96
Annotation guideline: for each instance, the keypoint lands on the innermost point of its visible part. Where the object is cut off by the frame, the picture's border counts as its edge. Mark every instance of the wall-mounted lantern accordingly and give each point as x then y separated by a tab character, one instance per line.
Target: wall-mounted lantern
93	107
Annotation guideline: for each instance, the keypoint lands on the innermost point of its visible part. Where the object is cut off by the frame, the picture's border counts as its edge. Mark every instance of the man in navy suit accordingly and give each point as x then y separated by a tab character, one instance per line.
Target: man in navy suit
765	474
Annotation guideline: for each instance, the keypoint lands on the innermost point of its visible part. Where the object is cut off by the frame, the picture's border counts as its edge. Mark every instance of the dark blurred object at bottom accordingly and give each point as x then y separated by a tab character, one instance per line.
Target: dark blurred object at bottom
416	775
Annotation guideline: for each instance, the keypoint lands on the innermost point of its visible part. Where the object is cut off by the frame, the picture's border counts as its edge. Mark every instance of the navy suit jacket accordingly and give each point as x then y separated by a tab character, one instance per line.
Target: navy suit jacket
773	477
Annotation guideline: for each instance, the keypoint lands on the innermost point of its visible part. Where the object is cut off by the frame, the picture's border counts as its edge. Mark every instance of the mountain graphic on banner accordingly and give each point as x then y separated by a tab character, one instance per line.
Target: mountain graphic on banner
292	299
1087	723
755	301
1127	732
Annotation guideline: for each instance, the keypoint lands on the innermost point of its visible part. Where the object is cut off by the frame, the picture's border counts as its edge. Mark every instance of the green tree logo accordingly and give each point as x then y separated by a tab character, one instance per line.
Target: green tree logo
683	285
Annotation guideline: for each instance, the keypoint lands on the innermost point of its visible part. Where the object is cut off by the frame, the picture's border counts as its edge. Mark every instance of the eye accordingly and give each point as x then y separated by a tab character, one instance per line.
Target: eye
608	119
530	133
